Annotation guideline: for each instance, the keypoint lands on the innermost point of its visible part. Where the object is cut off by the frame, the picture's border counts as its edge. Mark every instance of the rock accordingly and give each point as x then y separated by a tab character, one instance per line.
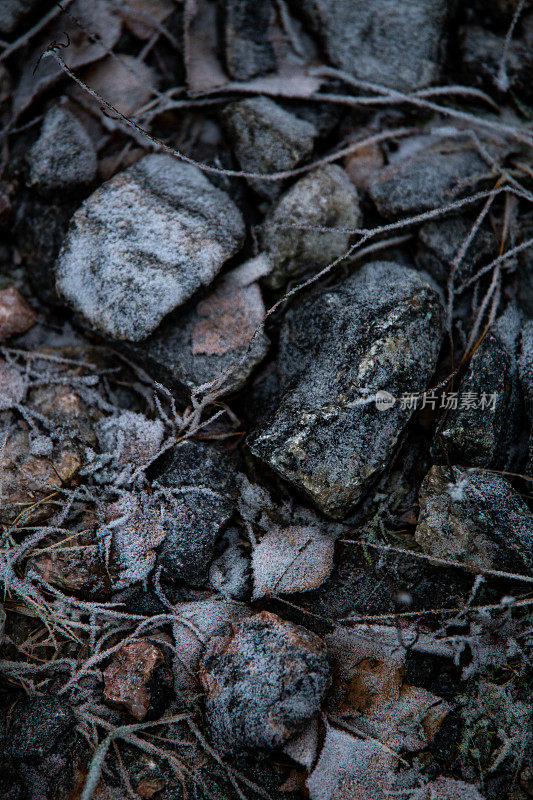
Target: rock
80	570
16	316
212	341
481	430
64	410
131	438
264	682
230	572
267	139
379	330
482	51
448	789
423	180
29	482
63	158
362	165
201	479
37	725
12	13
248	50
398	45
136	679
439	242
475	517
323	198
143	243
525	369
13	387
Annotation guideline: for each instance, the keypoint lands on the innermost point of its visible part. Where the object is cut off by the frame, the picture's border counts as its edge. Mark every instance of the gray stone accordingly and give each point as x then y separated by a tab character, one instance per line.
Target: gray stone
324	197
480	431
38	724
205	475
264	682
525	368
424	180
439	242
382	41
267	139
475	517
248	50
482	50
143	243
379	330
63	158
12	13
212	341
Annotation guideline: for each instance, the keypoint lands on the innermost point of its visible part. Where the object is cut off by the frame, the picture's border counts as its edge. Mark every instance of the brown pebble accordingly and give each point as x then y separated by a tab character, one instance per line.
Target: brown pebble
127	676
16	316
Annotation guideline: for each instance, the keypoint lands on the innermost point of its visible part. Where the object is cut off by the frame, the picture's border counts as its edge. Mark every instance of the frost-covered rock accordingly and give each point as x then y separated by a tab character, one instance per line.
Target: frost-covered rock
379	330
63	158
382	41
264	682
212	340
476	517
267	139
138	679
130	438
230	571
37	724
324	198
447	789
479	432
248	50
200	477
143	243
424	180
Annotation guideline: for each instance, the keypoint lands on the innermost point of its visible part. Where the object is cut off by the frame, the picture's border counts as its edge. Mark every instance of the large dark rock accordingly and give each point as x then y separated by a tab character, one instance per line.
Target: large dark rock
143	243
247	48
13	12
424	180
475	517
37	726
324	198
378	331
264	682
382	41
525	368
201	478
267	139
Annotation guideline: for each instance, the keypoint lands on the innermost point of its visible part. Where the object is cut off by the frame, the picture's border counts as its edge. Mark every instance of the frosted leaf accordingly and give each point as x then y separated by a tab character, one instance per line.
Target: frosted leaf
229	573
13	387
447	789
294	559
351	769
130	437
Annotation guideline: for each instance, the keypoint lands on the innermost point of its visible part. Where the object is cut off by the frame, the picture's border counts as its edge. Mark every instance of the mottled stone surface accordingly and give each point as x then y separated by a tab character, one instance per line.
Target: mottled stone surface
264	682
143	243
37	726
212	341
382	41
379	330
16	316
267	139
248	50
205	475
424	180
134	678
63	158
476	517
12	13
324	198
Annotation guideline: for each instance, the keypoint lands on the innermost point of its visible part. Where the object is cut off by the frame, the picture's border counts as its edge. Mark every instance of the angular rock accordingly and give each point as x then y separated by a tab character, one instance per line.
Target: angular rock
439	242
80	570
136	679
248	50
482	50
264	683
267	139
396	44
38	724
211	342
380	330
201	479
16	316
143	243
480	431
323	198
63	158
475	517
424	180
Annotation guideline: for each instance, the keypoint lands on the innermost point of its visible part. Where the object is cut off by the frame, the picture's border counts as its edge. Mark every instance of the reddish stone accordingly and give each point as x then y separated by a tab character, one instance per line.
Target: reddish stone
15	314
127	677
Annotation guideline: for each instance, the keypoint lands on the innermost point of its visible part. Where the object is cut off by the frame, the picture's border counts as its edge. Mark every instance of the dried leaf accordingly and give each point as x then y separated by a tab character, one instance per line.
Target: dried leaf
124	82
294	559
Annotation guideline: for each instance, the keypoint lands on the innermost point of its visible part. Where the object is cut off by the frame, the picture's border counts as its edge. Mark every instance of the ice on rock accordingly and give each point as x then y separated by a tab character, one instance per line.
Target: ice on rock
143	243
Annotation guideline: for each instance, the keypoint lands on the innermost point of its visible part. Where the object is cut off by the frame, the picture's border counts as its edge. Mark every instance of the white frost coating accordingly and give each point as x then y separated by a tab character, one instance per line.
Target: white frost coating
131	438
143	243
457	490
